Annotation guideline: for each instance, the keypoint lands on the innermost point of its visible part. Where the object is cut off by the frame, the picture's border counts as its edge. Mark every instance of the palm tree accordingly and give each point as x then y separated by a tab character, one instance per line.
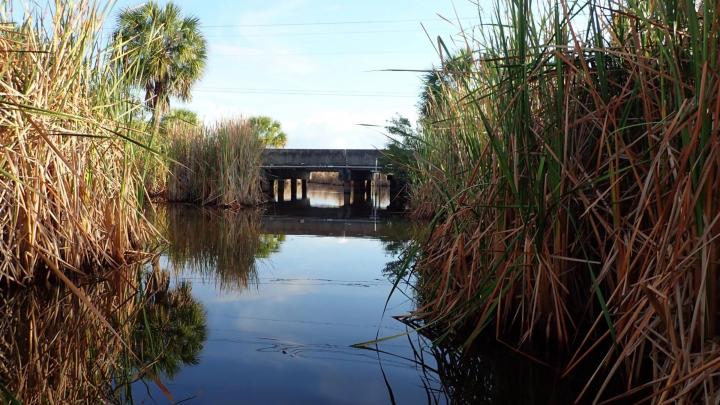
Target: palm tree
269	131
165	52
456	69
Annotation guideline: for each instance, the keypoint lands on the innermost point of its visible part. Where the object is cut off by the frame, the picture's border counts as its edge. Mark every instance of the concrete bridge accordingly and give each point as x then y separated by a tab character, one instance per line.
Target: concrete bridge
356	168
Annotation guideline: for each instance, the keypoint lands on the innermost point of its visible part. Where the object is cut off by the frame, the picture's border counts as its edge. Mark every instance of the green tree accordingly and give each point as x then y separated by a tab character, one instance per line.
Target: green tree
269	131
180	116
436	84
165	52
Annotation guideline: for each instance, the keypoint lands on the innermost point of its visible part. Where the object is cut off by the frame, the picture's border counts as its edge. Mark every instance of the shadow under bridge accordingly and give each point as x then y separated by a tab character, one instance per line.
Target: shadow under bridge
355	167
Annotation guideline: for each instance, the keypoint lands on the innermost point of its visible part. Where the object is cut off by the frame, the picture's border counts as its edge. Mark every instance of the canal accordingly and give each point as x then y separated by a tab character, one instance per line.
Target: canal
287	294
259	307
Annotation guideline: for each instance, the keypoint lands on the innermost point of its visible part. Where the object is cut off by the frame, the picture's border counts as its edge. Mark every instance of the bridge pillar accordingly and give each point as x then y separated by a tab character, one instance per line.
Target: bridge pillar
293	188
281	189
398	193
361	184
346	176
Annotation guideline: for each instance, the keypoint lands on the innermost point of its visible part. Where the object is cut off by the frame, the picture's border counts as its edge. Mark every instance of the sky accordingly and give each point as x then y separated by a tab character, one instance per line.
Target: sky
316	65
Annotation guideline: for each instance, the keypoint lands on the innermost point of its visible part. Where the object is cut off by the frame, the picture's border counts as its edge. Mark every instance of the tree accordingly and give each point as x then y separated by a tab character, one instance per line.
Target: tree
180	116
164	53
269	131
455	72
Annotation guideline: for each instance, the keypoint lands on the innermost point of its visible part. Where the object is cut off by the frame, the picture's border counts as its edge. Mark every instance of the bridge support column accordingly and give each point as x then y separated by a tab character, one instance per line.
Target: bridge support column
281	190
346	177
398	193
293	188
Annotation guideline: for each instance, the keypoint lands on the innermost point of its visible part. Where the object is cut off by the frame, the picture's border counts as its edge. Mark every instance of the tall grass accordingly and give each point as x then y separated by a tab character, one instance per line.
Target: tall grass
69	177
215	165
571	173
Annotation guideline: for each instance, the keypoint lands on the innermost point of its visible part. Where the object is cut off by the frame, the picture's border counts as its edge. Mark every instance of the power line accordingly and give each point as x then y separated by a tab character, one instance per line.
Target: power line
299	92
315	23
282	34
358	53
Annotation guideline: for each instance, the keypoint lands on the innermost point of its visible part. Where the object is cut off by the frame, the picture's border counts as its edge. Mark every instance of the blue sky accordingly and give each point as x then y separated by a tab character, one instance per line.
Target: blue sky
260	51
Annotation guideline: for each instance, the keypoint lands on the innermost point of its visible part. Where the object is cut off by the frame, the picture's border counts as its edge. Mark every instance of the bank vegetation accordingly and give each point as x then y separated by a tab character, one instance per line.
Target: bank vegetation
568	159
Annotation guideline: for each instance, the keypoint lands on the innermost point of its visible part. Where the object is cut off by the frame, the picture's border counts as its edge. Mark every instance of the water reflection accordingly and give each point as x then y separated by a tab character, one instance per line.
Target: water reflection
173	329
218	245
255	309
284	310
326	196
491	374
55	349
321	285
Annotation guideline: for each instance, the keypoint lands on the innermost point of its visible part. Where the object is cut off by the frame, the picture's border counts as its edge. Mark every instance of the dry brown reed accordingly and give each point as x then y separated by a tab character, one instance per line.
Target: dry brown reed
69	182
216	165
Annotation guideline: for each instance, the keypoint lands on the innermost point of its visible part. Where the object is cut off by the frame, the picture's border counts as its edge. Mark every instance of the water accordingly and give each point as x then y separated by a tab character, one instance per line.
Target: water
282	329
255	307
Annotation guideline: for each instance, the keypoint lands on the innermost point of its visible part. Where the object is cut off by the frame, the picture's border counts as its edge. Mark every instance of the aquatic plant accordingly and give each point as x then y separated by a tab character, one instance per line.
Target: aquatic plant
571	176
215	165
70	182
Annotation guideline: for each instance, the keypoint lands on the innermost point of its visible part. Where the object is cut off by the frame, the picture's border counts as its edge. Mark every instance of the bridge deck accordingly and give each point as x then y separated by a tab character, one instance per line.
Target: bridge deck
319	159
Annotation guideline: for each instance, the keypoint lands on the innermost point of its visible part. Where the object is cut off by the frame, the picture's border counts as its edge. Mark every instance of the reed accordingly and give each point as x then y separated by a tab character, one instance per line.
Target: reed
570	168
215	165
70	183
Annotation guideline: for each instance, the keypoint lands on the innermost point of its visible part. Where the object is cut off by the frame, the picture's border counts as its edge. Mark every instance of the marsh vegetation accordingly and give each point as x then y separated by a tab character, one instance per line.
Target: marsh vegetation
567	161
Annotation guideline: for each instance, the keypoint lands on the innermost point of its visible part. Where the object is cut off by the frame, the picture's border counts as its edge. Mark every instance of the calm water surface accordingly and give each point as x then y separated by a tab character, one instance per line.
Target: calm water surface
286	295
281	329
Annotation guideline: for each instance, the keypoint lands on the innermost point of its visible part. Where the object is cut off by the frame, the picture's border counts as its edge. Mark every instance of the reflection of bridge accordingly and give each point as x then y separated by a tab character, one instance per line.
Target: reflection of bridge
357	219
356	168
325	227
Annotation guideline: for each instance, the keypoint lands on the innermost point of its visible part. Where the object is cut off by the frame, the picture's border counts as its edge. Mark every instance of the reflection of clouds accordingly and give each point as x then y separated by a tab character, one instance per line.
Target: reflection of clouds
271	293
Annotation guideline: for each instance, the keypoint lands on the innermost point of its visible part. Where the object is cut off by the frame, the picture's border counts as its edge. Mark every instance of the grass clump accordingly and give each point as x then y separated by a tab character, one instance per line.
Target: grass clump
69	176
569	160
215	165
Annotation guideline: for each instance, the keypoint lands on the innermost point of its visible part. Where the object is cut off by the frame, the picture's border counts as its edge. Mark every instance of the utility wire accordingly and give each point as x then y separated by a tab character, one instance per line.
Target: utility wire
254	52
315	23
289	92
284	34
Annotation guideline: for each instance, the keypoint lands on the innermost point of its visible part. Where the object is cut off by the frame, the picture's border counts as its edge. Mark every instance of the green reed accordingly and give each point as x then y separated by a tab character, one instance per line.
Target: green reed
570	168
